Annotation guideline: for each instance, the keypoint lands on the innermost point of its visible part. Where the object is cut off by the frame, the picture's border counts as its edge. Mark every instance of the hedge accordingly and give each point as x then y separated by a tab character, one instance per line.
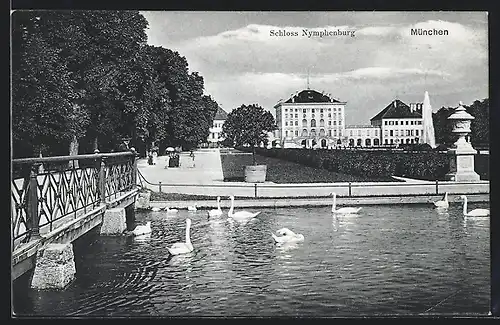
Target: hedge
425	165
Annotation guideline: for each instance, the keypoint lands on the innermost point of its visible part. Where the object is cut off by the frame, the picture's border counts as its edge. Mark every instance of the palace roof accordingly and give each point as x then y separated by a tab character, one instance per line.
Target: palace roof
221	114
310	96
396	109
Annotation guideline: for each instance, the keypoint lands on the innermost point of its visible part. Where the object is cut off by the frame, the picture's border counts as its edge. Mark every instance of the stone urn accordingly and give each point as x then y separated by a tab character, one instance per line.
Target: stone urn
255	173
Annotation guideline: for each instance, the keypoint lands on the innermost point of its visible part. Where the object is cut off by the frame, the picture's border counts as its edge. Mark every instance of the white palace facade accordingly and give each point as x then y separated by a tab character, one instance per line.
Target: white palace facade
312	119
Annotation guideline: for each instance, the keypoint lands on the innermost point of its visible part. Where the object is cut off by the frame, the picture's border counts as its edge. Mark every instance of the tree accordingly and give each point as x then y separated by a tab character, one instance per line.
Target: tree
248	125
43	92
480	130
479	126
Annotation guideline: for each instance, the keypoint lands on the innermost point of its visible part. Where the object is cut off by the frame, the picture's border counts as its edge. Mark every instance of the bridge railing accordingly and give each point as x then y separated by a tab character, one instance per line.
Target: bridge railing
45	190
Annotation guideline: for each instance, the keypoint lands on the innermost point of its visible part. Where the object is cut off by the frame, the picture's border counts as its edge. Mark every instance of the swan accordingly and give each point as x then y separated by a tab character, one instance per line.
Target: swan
182	247
442	203
344	210
240	215
216	212
475	212
155	209
142	229
171	210
287	236
192	208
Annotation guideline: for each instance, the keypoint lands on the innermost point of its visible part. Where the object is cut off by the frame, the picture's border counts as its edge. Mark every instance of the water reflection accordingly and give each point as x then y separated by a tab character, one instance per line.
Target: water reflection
401	259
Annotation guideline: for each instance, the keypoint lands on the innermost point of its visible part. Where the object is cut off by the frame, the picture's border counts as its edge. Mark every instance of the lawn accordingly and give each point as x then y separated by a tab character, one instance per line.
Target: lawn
283	172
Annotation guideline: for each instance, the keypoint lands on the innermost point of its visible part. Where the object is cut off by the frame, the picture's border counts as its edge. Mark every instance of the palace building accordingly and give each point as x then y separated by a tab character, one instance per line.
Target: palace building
312	119
309	118
399	123
214	137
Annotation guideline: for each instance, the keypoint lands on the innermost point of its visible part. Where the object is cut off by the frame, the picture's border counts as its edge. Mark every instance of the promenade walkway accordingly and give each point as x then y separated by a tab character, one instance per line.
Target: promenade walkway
207	169
205	178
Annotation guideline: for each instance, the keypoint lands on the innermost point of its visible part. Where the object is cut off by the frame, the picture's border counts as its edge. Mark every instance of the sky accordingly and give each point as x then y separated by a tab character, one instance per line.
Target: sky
244	59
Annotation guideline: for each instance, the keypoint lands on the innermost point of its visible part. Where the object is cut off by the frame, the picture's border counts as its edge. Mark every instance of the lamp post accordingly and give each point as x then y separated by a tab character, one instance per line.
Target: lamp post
462	153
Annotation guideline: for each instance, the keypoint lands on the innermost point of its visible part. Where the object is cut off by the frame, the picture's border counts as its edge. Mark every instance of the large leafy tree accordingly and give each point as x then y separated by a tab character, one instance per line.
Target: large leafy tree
43	92
248	125
101	52
479	126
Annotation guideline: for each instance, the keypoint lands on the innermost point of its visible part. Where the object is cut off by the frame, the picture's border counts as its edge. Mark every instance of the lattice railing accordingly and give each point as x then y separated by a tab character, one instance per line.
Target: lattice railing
45	190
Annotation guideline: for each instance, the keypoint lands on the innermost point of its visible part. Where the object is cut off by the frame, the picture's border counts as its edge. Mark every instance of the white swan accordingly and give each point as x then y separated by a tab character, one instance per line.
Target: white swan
182	247
475	212
192	208
216	212
171	210
287	236
142	229
344	210
442	203
240	215
155	209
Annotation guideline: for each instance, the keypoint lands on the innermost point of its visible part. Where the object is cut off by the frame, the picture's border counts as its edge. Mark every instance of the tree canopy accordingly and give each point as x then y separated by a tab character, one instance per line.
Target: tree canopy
479	135
90	77
248	126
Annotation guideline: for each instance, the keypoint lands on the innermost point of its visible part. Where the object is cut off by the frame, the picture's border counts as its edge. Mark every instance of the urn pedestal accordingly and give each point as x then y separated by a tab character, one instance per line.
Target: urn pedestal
255	173
462	153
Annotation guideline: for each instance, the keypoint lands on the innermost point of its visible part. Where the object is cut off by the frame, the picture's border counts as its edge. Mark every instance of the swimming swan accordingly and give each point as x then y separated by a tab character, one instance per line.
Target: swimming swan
475	212
182	247
142	229
240	215
287	236
442	203
171	210
344	210
216	212
192	208
155	209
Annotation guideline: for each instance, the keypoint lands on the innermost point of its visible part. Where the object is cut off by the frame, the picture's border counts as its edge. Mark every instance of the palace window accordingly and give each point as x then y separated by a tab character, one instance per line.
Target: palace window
334	133
351	133
286	110
329	133
296	110
312	110
296	123
396	122
304	132
286	123
313	132
296	133
385	122
321	115
330	123
286	115
304	122
334	122
321	122
322	132
407	132
406	122
312	115
391	133
313	123
304	110
321	111
396	133
411	132
329	114
296	115
304	116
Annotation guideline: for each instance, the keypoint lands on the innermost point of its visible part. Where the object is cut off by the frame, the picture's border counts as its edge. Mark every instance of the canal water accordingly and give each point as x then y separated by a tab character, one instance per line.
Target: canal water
388	260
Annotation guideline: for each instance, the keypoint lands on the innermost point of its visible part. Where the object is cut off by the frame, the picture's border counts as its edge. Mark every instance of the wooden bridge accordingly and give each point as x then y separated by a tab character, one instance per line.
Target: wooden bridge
55	200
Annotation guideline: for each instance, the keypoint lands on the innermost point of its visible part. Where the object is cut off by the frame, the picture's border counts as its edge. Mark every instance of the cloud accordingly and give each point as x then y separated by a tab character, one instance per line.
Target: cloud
254	64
